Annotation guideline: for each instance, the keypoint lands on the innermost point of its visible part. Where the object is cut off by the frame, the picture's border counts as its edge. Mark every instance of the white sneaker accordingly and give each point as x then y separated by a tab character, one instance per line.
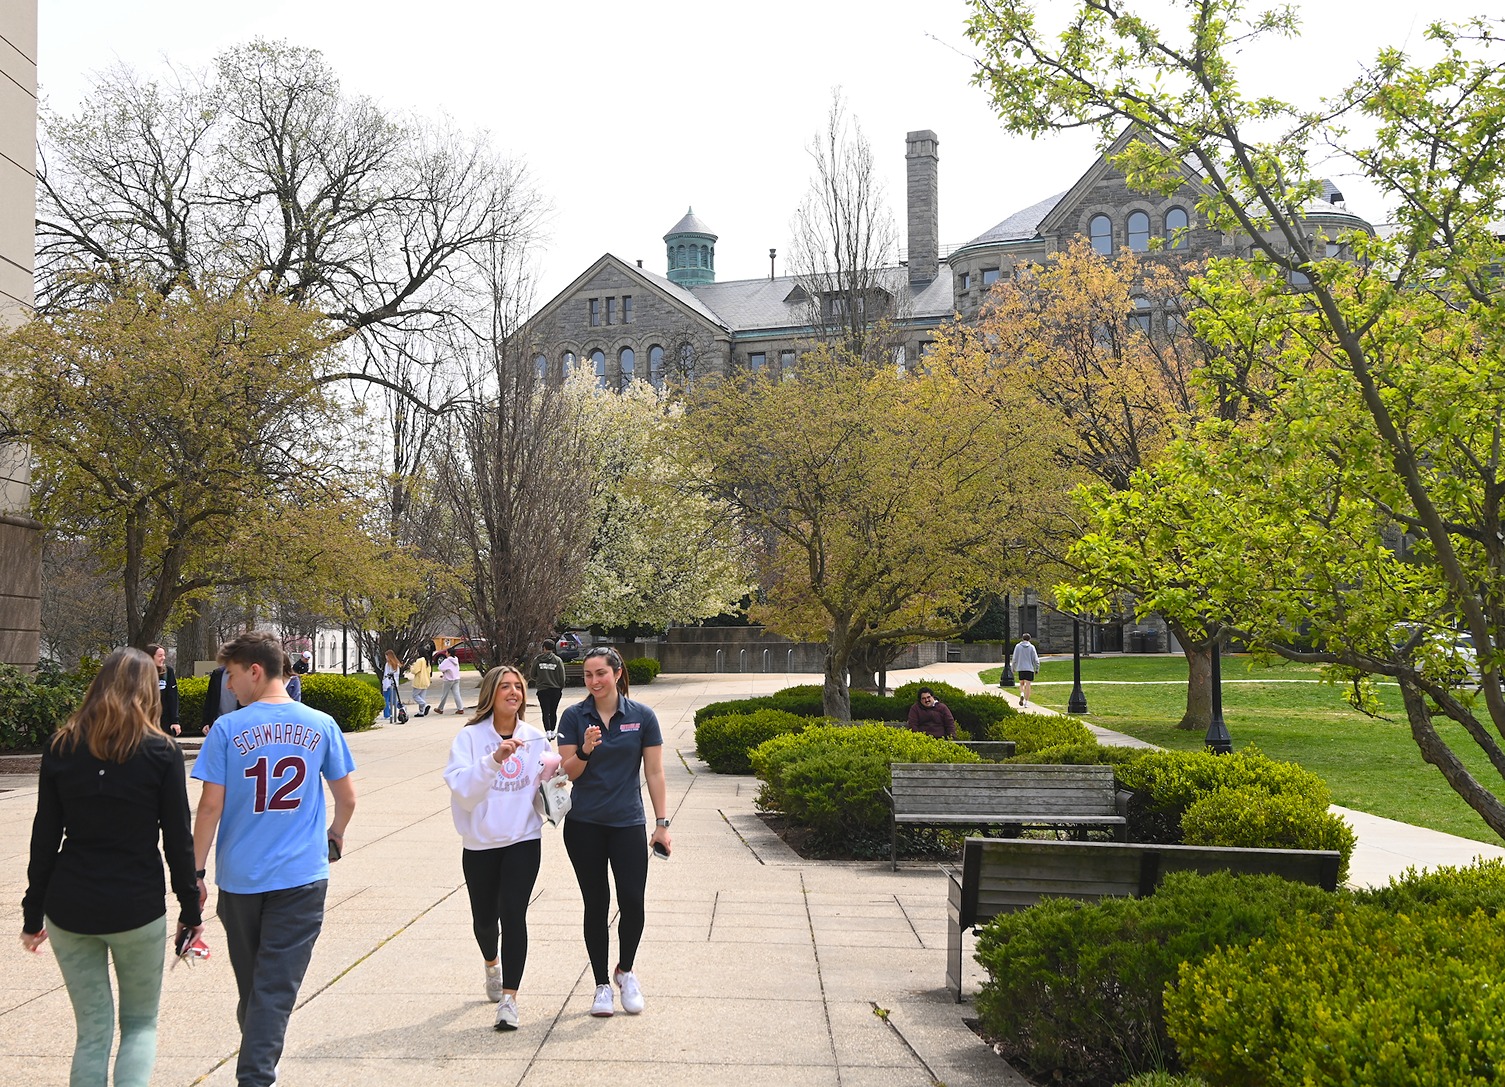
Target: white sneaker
494	983
604	1006
632	992
506	1014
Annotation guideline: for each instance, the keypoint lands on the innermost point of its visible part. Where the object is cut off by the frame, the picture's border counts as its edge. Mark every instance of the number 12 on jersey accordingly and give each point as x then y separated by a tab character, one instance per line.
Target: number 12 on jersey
291	767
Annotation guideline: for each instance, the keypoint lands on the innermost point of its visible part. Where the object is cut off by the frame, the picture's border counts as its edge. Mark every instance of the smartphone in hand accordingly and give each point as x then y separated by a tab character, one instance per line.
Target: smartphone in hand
661	851
334	850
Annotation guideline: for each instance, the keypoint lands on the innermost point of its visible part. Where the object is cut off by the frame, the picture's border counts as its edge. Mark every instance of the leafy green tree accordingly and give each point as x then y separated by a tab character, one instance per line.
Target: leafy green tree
1372	495
184	439
881	502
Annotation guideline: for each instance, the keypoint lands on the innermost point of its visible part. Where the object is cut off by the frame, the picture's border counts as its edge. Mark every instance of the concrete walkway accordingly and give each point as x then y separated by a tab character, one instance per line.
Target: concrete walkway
758	967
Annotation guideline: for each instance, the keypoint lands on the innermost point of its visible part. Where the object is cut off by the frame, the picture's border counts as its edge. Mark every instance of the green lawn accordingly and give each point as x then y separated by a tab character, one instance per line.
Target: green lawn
1371	764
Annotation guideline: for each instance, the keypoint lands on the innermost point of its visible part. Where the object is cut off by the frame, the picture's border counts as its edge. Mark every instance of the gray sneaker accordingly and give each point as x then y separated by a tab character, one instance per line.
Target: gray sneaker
506	1014
494	983
604	1006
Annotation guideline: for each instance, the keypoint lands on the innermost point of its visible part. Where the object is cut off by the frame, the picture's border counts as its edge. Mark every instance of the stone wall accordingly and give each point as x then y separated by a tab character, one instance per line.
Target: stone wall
20	536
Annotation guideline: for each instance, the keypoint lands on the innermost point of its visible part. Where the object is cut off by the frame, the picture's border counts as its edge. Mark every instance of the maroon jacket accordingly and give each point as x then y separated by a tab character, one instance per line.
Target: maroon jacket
934	720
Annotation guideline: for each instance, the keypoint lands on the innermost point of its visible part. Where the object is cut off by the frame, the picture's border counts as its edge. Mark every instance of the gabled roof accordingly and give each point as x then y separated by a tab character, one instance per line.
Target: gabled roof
1100	169
1020	226
673	291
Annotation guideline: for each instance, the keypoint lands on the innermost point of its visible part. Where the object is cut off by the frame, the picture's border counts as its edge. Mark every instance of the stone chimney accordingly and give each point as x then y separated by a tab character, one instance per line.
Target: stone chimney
923	168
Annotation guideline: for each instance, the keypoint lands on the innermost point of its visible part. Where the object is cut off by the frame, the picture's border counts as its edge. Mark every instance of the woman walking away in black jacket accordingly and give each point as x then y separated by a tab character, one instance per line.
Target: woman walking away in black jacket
111	783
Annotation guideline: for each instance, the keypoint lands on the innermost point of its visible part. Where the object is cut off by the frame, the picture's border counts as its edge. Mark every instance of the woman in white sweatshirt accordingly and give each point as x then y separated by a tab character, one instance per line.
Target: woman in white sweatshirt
495	765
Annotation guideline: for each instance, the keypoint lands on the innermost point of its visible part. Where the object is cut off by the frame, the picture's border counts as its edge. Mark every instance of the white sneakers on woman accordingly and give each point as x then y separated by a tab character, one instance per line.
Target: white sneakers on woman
506	1013
494	983
632	992
604	1006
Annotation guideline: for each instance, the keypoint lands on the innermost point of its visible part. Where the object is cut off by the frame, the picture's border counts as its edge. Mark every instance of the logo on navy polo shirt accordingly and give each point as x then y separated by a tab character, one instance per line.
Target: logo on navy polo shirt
631	726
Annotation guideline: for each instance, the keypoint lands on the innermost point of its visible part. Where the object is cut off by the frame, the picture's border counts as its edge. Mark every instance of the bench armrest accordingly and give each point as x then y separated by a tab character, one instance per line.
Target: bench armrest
1121	801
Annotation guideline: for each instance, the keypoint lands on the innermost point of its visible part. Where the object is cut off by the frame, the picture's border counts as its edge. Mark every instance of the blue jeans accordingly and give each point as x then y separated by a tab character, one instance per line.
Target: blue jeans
389	696
84	962
270	937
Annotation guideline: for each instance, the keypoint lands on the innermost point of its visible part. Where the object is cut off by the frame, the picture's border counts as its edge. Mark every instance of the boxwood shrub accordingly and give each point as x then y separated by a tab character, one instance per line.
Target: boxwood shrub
351	700
723	742
979	716
830	778
1461	891
1166	783
1372	998
1074	991
33	706
642	670
1080	754
1248	815
1033	732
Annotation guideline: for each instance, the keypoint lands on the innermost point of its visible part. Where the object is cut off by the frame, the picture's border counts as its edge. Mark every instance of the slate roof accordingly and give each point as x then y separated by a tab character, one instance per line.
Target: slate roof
690	224
1020	226
674	290
745	305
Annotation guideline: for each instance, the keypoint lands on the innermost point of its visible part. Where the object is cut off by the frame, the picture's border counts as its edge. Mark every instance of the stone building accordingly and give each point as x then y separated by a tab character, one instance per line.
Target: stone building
20	535
628	323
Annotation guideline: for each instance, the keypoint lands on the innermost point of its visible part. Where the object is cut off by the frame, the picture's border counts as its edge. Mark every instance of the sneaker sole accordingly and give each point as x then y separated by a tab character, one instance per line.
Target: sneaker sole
504	1028
602	1015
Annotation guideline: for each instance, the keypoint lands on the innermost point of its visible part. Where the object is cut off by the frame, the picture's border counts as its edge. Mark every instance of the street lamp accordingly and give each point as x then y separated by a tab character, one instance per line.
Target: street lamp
1006	679
1217	736
1077	703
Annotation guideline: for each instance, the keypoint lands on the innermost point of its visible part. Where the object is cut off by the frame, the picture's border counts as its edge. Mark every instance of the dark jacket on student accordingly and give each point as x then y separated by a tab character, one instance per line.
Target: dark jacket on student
933	720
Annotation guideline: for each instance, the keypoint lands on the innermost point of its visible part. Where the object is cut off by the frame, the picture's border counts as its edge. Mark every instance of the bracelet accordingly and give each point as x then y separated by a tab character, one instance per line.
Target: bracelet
662	823
201	873
582	754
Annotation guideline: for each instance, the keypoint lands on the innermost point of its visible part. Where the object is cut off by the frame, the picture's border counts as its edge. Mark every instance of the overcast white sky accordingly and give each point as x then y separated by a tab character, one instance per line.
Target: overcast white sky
627	113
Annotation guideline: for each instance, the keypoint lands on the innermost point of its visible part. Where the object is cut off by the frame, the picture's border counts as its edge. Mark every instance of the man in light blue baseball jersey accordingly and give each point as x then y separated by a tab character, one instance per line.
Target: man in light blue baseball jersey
263	768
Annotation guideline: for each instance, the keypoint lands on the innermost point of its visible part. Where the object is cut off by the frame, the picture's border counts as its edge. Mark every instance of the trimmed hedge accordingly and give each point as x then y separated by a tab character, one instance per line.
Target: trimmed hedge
642	670
723	742
979	716
1083	754
351	700
1032	732
1166	783
1249	816
1460	891
1372	998
831	778
34	706
1075	991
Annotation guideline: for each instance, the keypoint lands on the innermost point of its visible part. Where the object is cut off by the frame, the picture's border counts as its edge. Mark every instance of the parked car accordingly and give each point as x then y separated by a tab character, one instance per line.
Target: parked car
470	651
571	644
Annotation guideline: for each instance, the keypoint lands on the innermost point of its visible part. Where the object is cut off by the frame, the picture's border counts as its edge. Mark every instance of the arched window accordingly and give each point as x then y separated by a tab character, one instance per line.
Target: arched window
1176	220
598	360
671	258
679	256
1139	231
705	256
656	366
627	365
1141	318
541	366
1100	232
567	364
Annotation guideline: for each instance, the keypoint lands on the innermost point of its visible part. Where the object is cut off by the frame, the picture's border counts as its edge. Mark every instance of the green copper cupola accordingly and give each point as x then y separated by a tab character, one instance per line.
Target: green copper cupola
692	252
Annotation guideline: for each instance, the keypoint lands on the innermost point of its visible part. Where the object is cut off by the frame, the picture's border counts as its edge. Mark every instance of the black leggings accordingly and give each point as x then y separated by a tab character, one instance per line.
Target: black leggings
591	848
500	882
548	704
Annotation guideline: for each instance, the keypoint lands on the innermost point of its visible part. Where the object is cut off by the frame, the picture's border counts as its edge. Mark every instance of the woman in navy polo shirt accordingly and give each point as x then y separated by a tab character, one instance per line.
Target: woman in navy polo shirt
607	744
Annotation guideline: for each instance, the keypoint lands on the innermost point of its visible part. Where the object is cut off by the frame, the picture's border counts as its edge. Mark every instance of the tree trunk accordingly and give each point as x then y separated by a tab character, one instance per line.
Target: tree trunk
1434	749
1198	715
863	666
836	700
193	642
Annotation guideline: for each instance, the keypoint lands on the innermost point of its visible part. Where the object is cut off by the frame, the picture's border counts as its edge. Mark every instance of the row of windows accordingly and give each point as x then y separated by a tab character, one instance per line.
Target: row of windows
593	309
627	365
1100	231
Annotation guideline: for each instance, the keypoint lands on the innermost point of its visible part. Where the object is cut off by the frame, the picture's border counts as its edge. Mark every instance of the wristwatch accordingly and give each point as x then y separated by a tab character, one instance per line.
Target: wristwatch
661	822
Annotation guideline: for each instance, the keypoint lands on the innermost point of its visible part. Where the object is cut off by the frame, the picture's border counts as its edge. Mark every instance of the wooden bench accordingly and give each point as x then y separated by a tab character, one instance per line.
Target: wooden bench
1005	875
1011	795
992	750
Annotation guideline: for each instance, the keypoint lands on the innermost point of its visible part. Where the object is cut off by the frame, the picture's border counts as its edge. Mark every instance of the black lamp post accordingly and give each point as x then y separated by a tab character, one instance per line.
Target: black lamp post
1077	703
1007	678
1217	736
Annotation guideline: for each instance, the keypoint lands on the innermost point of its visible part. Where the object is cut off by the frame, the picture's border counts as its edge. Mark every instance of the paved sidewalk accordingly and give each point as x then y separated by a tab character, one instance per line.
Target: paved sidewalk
758	967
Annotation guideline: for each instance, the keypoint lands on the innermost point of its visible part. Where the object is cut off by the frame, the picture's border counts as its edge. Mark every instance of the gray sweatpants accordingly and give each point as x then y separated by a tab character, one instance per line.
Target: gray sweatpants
270	937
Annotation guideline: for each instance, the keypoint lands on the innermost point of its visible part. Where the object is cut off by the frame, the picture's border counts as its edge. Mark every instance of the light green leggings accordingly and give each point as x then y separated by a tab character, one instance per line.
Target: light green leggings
84	961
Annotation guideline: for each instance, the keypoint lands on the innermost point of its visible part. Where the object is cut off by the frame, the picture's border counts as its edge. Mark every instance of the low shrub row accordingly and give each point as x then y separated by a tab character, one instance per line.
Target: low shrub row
830	778
642	670
352	700
33	706
724	742
1254	980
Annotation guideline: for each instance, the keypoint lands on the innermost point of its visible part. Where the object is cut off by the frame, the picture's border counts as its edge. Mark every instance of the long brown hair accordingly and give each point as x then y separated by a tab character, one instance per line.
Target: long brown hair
122	707
486	697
